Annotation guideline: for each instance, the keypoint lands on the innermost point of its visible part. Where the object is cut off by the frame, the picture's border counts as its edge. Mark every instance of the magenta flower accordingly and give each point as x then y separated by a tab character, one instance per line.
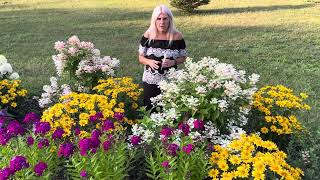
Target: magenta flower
166	132
57	134
107	145
185	128
65	150
96	117
43	143
30	140
31	117
84	146
4	139
96	133
40	168
42	127
172	149
107	125
5	173
83	173
118	116
76	131
14	128
17	163
135	140
198	124
165	164
188	148
94	142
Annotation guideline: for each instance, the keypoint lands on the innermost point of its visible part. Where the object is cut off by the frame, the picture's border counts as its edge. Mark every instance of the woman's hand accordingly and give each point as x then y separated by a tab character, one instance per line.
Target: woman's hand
168	63
153	64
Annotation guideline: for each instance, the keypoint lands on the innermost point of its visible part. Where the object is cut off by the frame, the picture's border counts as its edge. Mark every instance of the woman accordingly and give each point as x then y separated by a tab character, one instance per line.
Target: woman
161	47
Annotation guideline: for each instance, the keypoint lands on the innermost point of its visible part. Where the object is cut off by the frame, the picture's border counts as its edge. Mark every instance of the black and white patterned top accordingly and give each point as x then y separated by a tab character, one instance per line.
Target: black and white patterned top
156	49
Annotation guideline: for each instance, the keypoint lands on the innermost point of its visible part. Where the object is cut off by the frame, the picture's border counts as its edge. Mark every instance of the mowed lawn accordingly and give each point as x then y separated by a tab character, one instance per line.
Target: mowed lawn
280	40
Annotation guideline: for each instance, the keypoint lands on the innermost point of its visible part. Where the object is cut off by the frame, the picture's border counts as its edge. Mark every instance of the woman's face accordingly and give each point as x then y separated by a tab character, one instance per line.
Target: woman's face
162	23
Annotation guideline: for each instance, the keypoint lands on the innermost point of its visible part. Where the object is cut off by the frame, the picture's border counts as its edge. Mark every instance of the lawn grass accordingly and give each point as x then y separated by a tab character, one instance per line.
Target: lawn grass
280	40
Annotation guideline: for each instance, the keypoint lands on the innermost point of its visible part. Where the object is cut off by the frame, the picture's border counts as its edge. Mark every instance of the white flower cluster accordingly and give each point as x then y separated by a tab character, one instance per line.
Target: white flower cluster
89	62
106	65
206	84
6	71
145	134
52	93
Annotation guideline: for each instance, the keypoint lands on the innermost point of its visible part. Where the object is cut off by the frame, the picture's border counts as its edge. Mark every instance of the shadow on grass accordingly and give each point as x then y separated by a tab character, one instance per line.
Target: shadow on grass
252	9
10	6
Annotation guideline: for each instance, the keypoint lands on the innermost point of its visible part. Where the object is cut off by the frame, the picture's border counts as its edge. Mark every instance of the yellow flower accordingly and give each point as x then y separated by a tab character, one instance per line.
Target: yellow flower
223	165
213	173
234	159
14	104
264	130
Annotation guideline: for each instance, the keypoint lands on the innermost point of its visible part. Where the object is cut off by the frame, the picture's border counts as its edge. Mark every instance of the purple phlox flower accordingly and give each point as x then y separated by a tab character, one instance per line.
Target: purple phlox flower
43	143
166	132
31	117
42	127
185	128
17	163
107	145
188	148
40	168
4	138
96	133
30	140
118	116
198	124
165	164
95	142
172	149
83	173
135	140
107	125
77	131
65	150
14	128
58	133
96	117
5	173
84	146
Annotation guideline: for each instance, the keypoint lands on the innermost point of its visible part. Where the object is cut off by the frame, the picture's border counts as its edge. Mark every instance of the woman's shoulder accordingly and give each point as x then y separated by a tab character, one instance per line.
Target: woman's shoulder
177	36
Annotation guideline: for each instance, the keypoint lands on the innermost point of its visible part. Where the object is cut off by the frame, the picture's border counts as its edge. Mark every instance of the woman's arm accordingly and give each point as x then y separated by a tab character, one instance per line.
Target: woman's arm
171	63
150	62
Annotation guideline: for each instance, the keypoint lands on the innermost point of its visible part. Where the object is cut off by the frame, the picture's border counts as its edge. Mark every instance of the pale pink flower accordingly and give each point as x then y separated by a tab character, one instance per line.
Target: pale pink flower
86	45
59	45
72	51
74	40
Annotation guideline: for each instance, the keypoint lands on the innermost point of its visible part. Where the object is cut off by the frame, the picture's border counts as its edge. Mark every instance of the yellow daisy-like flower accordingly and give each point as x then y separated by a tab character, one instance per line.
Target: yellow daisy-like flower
264	130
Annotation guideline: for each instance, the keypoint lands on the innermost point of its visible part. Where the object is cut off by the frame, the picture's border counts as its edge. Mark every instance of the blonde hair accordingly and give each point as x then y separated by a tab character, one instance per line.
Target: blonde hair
153	31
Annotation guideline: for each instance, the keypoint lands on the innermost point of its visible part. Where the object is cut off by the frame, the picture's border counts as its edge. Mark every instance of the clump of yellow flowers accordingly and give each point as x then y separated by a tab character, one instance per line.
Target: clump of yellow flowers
80	110
250	157
10	90
120	88
277	103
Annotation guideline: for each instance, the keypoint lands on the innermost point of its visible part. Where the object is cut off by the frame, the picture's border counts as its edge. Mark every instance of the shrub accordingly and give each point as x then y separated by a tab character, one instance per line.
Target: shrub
188	5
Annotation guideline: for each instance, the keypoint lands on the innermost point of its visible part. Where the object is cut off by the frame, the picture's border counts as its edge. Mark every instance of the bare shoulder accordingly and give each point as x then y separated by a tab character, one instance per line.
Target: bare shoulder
146	34
177	36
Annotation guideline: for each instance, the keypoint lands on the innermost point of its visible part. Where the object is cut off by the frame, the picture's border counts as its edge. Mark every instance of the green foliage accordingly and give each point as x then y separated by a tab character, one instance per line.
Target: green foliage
18	147
188	5
182	166
113	164
304	152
